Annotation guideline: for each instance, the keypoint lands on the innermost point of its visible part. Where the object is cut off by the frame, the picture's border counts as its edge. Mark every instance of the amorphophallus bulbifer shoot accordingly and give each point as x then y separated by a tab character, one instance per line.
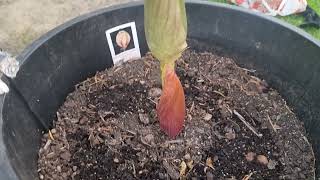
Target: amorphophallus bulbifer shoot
165	24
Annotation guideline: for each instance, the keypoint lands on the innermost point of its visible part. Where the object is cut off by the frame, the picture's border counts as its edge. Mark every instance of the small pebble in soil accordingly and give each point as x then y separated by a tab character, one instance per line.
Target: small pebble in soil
74	168
144	118
207	117
155	92
230	135
116	160
250	156
262	159
272	164
187	156
66	156
142	82
59	169
53	131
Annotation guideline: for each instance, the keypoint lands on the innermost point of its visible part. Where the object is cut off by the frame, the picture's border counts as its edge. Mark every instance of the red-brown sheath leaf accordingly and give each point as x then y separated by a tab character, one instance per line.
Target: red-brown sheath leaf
171	108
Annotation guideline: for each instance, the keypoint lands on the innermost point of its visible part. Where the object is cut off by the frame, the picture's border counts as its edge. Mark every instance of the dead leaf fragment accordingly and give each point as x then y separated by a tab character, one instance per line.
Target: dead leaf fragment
51	136
209	162
183	168
190	164
247	177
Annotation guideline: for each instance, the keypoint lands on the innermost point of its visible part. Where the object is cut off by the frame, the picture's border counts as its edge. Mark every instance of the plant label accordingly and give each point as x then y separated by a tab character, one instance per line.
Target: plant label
123	43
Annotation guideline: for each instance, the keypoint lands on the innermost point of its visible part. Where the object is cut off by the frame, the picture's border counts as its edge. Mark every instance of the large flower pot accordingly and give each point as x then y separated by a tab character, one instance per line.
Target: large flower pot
285	56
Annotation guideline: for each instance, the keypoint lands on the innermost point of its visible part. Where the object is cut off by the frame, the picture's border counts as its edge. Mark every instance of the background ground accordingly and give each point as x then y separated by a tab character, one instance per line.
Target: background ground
22	21
297	19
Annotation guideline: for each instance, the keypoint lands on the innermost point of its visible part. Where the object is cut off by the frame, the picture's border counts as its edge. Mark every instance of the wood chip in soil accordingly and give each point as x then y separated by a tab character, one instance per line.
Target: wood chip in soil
236	127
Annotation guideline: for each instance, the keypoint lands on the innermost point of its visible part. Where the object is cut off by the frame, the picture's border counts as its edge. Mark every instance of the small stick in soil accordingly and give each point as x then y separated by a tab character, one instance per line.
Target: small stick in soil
213	67
271	124
207	78
192	107
249	70
147	64
166	143
247	124
134	169
177	141
144	142
220	93
50	135
216	133
298	144
48	143
287	107
146	72
96	82
250	117
247	177
197	87
131	132
152	101
103	120
117	69
228	108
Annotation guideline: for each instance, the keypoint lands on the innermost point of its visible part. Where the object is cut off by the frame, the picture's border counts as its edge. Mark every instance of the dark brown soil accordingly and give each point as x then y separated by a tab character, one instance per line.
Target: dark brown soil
237	127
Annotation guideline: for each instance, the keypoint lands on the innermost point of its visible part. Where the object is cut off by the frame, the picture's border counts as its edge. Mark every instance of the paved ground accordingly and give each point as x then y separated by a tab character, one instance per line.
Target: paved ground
22	21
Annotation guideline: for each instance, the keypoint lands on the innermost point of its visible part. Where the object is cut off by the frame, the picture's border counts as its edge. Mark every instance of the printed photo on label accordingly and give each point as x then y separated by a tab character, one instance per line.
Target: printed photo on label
123	43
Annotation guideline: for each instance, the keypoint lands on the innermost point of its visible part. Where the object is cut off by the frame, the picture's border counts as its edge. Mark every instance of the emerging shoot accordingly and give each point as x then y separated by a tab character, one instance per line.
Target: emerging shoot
166	31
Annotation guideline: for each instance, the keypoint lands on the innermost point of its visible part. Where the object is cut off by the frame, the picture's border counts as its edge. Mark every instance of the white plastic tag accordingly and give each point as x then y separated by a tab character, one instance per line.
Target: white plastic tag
3	87
123	43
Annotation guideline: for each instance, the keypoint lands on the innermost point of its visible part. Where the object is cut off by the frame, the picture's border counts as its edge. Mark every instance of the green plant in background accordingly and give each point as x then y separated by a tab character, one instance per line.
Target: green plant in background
297	19
315	5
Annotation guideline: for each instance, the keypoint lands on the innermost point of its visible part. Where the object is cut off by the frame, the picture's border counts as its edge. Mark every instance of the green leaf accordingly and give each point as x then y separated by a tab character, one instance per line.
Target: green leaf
166	29
315	5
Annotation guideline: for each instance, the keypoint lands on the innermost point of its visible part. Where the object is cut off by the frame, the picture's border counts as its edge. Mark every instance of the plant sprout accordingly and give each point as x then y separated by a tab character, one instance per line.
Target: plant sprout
166	31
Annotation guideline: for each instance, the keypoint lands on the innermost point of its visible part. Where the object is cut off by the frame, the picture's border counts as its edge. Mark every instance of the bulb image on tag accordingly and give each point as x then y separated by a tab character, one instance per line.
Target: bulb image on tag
123	39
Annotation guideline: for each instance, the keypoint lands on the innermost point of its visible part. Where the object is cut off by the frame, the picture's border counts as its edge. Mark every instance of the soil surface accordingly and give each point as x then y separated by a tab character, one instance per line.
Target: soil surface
236	127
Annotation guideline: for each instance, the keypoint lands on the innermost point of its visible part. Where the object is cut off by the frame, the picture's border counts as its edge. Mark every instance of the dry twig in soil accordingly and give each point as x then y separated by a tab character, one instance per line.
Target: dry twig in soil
246	123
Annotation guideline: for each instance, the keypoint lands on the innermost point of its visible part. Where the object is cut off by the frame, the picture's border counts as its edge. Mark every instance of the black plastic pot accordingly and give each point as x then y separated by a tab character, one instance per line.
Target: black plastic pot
288	58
